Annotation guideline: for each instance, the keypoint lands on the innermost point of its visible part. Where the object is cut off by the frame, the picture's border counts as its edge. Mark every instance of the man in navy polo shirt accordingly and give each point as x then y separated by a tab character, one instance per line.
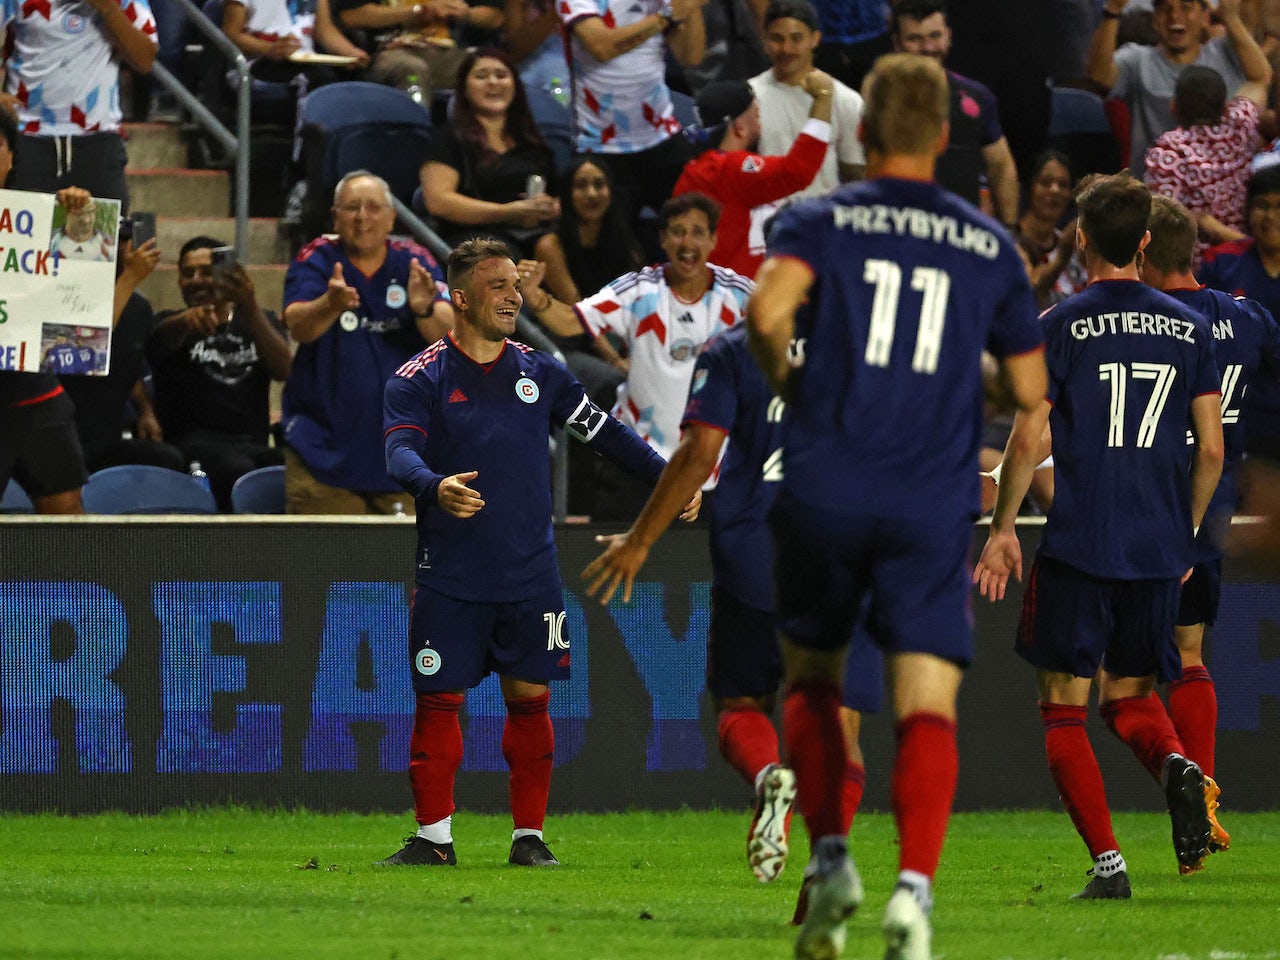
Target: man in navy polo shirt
905	285
466	424
1130	369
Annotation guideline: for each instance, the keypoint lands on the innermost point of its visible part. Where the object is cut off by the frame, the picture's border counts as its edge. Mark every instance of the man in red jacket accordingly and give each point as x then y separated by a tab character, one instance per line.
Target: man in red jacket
746	185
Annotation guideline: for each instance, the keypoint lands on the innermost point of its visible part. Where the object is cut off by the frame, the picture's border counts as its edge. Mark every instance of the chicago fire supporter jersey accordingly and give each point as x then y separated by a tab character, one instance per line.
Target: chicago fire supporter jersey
729	393
910	284
1246	345
493	418
664	335
62	69
332	400
1125	362
623	105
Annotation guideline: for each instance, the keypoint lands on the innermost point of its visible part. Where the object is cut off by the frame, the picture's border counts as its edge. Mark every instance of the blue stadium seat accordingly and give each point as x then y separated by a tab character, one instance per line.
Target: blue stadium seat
138	488
15	500
1080	128
554	121
684	107
259	491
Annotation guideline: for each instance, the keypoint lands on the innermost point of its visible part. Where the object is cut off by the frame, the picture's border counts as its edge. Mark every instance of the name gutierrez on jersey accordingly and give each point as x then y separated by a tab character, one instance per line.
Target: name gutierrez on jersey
1131	321
920	224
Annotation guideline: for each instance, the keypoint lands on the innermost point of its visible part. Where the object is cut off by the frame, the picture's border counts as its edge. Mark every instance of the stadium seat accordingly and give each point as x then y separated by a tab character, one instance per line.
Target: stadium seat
1080	128
15	500
684	107
138	488
259	491
554	121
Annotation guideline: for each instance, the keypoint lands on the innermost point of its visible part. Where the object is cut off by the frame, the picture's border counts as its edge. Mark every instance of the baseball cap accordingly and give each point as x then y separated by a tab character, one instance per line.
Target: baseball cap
723	102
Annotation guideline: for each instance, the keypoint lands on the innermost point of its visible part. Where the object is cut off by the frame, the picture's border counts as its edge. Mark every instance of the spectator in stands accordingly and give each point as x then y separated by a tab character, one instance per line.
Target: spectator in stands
359	305
275	36
791	36
745	184
536	49
854	34
1204	162
419	42
664	314
1145	77
622	105
1044	234
212	366
477	179
977	153
734	48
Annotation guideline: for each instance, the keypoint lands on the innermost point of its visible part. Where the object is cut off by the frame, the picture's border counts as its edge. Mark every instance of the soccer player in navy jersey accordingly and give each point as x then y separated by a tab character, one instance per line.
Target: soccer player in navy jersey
1129	368
905	285
1247	348
466	423
728	397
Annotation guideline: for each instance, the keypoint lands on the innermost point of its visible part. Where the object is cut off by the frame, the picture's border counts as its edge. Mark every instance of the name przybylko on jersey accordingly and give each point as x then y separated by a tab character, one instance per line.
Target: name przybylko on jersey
1131	321
920	224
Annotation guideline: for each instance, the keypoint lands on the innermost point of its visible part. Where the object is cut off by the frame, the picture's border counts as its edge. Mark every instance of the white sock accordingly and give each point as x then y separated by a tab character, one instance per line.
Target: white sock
921	887
524	832
439	832
1106	864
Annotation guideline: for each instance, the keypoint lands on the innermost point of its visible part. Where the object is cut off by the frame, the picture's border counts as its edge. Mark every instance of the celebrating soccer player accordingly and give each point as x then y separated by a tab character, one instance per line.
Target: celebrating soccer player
905	284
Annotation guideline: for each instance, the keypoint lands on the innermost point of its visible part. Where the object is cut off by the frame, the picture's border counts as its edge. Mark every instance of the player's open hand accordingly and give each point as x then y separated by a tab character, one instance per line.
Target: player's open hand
456	498
692	508
1001	557
619	564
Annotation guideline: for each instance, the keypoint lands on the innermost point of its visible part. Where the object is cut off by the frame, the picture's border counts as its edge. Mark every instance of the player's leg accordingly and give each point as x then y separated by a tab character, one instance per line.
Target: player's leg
49	461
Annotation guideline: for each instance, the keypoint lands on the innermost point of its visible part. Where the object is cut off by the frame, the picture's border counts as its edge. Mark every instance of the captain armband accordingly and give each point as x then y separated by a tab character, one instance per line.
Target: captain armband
586	421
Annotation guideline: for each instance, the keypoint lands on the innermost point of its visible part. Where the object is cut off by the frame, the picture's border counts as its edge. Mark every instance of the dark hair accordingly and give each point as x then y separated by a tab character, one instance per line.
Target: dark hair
1173	235
9	130
1040	161
915	9
199	243
1114	211
1199	96
519	125
683	204
617	251
1263	183
801	10
468	253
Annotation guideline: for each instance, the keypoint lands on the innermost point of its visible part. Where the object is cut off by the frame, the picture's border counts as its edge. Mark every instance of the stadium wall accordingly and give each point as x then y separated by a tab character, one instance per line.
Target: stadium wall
148	663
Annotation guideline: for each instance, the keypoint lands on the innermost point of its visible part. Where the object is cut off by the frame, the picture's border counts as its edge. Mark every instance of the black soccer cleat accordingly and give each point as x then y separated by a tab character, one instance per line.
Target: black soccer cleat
420	852
1184	791
530	851
1114	887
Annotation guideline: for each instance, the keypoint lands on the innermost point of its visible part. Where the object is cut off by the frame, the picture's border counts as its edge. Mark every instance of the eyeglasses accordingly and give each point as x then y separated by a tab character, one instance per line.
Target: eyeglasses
368	206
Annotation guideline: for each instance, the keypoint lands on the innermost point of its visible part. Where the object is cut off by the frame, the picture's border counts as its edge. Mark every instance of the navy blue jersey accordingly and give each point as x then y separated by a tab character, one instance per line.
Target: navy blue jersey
729	393
910	284
1246	342
495	419
1125	362
63	359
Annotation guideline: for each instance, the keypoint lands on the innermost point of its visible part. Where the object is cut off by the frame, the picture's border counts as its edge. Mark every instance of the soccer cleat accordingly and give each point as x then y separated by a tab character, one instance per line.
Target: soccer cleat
530	851
1114	887
767	838
1185	791
1219	839
834	895
802	900
905	927
420	852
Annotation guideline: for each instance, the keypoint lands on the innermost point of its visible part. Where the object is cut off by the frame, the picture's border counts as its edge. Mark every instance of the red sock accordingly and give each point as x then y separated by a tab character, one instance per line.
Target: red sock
922	788
815	751
855	781
435	753
528	743
1144	726
747	740
1193	708
1075	771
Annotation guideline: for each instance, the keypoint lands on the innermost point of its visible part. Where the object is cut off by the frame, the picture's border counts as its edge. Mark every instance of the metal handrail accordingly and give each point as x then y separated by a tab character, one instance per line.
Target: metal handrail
237	144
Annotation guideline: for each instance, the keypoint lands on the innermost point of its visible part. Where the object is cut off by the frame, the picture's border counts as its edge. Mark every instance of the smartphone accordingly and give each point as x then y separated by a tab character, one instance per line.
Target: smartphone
224	261
144	227
535	186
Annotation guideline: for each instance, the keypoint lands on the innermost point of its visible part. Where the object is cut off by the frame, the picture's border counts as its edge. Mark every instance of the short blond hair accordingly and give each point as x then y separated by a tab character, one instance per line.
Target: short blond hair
907	104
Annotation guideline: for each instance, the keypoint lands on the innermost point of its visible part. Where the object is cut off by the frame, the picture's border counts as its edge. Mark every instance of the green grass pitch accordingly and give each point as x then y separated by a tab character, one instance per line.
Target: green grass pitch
234	883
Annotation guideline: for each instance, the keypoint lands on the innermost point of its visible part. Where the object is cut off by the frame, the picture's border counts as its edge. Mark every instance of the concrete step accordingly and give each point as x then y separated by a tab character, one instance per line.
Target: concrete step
267	244
176	192
153	145
161	288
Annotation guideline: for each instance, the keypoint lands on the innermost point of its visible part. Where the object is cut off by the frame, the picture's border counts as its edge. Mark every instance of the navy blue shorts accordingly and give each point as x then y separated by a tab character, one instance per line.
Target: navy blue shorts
744	657
914	568
457	643
1074	623
1200	594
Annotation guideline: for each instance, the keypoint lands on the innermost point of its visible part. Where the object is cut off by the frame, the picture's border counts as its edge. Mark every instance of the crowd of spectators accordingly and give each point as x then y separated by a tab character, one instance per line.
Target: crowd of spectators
1188	86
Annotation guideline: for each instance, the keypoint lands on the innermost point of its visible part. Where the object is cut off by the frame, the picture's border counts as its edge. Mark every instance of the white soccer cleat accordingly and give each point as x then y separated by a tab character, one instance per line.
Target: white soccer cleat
834	896
767	838
906	928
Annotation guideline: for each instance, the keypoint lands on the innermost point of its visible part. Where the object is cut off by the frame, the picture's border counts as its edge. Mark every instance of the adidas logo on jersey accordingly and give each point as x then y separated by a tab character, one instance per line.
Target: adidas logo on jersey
457	397
685	317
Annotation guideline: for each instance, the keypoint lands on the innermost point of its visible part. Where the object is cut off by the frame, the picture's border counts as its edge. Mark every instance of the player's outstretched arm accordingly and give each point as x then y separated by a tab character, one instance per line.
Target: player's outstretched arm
676	494
781	286
1206	464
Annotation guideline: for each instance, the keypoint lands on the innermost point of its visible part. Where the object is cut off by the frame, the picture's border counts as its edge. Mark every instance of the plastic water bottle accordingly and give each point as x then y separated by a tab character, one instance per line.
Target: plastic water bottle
198	472
559	92
415	92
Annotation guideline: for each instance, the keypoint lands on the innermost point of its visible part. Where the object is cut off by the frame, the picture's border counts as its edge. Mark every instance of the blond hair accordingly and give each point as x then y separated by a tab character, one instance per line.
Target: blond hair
907	105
